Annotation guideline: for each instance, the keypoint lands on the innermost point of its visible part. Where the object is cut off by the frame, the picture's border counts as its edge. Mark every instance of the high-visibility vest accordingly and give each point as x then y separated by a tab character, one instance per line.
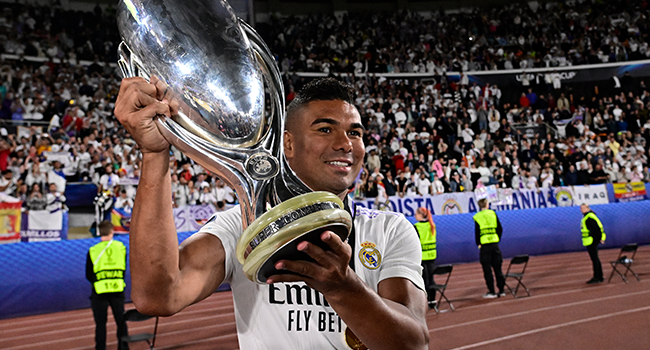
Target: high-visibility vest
487	221
587	240
109	264
427	240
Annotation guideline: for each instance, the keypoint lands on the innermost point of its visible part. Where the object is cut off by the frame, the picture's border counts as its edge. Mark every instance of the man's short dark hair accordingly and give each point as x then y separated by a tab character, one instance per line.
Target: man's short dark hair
322	89
105	228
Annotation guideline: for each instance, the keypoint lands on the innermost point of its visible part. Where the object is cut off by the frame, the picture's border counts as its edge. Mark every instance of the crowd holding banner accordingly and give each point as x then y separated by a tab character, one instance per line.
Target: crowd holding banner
42	225
546	197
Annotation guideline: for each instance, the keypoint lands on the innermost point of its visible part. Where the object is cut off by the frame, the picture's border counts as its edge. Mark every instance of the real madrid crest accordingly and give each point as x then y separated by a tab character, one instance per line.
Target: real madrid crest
369	256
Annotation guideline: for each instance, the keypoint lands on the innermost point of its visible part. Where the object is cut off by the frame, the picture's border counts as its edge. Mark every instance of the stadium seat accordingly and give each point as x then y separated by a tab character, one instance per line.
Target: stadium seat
134	315
624	261
517	260
440	288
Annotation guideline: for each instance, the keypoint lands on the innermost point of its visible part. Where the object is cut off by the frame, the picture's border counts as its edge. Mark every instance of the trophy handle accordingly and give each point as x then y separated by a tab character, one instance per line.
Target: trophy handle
287	185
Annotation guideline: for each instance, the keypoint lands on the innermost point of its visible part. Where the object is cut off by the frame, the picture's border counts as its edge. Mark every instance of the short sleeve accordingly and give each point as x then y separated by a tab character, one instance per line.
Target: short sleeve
227	226
403	256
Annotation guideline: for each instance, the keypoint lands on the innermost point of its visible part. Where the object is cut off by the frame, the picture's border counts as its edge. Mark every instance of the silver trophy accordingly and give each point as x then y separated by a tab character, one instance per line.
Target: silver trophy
230	120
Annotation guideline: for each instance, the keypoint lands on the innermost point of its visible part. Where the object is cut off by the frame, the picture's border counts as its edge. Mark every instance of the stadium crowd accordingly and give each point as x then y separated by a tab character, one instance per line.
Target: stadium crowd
502	37
422	137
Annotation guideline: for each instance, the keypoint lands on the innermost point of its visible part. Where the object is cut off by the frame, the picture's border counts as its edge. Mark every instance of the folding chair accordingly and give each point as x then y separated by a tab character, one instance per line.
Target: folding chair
517	260
135	316
440	288
625	261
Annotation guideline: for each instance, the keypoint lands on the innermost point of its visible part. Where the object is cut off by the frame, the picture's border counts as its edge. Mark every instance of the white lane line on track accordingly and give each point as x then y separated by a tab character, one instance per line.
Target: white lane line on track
544	329
570	291
47	344
91	327
535	310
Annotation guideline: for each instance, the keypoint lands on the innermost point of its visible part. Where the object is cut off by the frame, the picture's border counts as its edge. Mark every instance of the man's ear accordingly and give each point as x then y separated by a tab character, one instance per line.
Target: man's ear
288	145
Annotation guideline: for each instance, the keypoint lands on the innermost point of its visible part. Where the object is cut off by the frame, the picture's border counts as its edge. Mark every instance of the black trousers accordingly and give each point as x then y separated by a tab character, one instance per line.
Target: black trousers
491	259
427	275
100	303
595	261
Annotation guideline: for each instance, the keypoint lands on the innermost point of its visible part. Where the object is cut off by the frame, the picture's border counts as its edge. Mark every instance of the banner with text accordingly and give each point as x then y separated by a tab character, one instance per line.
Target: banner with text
44	226
591	194
192	217
466	202
10	218
629	192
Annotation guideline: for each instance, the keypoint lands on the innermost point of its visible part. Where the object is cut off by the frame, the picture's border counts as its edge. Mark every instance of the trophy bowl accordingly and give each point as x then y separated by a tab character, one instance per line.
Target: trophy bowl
221	74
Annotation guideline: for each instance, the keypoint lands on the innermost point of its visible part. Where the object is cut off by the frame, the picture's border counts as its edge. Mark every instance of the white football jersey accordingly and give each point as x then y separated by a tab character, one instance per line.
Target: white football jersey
294	316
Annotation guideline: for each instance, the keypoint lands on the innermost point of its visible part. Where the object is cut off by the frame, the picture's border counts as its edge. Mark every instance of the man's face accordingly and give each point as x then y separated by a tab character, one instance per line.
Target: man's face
324	146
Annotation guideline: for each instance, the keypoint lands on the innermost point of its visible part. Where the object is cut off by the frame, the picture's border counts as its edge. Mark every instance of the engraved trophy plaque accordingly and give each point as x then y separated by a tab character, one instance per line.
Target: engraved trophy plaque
230	120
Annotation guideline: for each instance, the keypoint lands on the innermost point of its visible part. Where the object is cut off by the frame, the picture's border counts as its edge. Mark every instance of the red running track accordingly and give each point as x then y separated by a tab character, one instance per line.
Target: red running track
562	312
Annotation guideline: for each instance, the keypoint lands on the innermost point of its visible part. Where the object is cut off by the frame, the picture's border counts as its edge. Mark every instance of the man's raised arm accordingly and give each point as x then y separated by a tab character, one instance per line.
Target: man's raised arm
164	280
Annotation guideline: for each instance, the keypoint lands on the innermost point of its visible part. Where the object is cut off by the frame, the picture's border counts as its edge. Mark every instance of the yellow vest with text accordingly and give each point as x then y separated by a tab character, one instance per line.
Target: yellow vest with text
587	240
427	240
109	264
487	221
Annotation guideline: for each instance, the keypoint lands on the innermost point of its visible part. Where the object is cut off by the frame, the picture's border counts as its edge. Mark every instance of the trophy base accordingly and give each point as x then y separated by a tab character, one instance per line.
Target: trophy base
276	234
290	250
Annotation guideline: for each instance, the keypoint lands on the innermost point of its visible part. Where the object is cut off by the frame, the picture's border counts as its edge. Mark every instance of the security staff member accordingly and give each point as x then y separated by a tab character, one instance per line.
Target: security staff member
105	267
593	234
487	235
427	231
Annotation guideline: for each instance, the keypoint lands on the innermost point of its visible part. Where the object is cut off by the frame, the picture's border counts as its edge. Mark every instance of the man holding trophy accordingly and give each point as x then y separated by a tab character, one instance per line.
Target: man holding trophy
308	269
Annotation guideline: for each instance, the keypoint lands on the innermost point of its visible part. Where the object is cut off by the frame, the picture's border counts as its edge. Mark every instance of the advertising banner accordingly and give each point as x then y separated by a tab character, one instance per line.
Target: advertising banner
44	226
592	194
538	76
192	217
454	203
527	199
629	192
10	219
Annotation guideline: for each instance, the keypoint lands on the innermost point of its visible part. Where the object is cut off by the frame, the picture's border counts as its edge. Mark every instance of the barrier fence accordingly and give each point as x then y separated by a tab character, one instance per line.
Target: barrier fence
44	277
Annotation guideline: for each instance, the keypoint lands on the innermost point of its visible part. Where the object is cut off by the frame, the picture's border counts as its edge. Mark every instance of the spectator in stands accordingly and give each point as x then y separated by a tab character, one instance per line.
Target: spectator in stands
402	183
206	196
35	198
55	199
109	180
56	175
8	182
124	202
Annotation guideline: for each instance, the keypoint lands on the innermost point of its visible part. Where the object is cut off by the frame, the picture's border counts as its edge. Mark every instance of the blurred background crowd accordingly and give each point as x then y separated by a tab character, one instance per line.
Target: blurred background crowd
423	136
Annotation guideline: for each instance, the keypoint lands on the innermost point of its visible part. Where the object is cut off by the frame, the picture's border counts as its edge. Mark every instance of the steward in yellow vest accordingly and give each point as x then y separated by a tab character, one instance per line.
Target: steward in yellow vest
105	268
593	234
487	234
426	229
427	234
